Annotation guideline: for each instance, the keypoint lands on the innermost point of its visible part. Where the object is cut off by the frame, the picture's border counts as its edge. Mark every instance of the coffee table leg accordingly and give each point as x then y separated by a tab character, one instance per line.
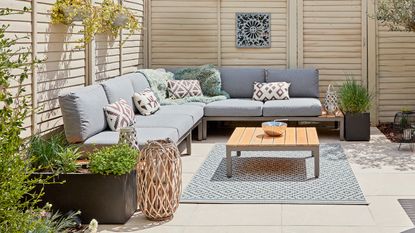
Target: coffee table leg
316	155
238	153
229	162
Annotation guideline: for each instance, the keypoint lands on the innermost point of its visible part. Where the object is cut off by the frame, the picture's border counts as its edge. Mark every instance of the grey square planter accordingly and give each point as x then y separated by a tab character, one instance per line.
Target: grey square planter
107	198
357	126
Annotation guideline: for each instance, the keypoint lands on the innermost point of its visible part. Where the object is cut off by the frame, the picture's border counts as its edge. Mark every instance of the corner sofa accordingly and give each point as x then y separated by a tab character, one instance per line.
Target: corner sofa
85	122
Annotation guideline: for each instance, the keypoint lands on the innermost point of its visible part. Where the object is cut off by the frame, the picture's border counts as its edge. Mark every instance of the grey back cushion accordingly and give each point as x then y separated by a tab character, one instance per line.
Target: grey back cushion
138	80
119	88
83	113
304	82
239	82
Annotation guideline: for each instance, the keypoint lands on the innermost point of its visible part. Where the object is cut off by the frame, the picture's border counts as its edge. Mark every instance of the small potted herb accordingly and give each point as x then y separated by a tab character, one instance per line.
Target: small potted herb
102	186
355	102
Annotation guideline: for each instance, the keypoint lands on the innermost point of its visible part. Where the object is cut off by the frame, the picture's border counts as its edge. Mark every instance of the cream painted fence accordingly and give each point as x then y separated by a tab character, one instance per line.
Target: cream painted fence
65	67
325	34
339	37
336	36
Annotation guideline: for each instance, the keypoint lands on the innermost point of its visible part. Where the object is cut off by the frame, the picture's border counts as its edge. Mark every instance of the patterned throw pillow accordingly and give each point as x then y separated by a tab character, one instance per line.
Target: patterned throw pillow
271	91
119	115
146	102
179	89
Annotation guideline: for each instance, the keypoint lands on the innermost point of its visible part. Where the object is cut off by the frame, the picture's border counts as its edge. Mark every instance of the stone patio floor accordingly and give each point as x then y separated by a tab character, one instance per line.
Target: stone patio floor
384	174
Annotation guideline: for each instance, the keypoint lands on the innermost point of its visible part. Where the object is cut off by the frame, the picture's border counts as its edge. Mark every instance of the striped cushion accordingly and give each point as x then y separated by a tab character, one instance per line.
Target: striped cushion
119	114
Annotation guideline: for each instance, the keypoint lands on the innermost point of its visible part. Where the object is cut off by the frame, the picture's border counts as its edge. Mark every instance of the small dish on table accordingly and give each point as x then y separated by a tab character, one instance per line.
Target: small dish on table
274	128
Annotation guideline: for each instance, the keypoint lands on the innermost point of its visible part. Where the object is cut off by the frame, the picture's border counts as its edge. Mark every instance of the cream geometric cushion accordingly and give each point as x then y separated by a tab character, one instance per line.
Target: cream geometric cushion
146	102
179	89
271	91
119	114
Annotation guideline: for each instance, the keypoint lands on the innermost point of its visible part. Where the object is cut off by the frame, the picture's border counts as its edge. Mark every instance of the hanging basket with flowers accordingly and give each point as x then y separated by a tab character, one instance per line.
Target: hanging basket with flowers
115	17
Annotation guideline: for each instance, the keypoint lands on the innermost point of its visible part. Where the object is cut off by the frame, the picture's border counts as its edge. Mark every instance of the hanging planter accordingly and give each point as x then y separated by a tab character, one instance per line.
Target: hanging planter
68	11
115	17
72	13
120	20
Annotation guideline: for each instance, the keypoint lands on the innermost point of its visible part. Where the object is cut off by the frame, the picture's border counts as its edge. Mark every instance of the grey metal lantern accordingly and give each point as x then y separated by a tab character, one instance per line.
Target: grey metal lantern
128	135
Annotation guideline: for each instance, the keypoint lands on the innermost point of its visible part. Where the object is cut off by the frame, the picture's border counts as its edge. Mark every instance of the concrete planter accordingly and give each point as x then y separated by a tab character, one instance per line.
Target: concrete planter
357	126
107	198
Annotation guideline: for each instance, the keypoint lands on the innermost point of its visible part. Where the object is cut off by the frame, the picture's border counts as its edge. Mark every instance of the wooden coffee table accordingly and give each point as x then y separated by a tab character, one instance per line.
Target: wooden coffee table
254	139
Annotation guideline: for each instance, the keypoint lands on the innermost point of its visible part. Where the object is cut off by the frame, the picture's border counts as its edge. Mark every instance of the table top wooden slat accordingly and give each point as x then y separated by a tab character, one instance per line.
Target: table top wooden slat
280	140
302	136
236	136
251	136
312	136
290	136
247	136
257	137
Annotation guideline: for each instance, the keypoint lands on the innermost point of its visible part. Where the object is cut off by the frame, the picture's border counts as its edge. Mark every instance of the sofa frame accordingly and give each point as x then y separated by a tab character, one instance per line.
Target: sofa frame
339	120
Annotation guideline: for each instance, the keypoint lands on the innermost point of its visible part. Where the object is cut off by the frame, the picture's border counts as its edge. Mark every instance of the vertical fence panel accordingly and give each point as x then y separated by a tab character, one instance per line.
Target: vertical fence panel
67	68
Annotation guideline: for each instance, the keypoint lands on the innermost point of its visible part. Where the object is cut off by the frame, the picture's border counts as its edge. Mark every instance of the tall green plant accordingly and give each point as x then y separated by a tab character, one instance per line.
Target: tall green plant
353	97
398	15
18	205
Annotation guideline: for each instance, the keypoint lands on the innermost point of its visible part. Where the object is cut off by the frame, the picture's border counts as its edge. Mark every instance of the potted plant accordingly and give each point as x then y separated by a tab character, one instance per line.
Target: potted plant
115	17
355	101
67	11
102	186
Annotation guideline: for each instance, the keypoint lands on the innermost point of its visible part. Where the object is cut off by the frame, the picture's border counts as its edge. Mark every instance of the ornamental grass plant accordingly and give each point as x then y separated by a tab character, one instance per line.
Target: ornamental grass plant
354	97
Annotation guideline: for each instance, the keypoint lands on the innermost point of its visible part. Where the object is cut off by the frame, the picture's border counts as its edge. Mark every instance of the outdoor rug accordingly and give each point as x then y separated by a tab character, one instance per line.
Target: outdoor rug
276	177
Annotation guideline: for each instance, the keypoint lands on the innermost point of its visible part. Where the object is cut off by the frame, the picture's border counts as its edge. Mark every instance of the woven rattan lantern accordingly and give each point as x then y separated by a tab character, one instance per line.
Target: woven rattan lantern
331	101
159	179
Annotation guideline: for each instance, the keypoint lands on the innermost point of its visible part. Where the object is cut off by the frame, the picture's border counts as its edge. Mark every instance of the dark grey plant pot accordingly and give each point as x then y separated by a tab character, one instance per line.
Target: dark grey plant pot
107	198
357	126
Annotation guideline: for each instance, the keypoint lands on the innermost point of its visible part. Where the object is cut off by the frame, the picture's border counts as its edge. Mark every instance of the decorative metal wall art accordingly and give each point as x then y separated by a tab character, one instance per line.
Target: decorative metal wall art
253	30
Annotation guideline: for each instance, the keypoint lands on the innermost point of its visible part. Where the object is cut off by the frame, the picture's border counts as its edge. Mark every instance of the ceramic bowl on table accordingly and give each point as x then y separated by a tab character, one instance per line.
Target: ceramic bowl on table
274	128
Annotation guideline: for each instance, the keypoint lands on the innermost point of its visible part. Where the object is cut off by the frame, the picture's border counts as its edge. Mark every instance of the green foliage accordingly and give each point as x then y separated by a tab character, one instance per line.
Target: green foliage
18	211
115	17
56	222
95	18
53	154
398	15
353	97
115	160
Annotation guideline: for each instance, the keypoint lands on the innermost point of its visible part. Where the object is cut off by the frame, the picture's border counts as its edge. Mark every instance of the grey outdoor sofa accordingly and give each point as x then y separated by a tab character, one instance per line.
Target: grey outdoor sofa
85	123
304	103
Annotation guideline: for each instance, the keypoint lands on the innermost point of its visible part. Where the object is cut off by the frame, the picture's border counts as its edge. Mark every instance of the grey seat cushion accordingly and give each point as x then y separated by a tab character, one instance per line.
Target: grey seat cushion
293	107
196	112
138	80
304	82
234	107
83	112
120	87
200	104
239	82
180	122
107	138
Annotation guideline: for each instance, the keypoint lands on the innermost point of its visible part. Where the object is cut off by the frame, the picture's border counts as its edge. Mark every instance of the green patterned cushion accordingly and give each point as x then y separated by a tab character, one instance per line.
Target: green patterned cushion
207	75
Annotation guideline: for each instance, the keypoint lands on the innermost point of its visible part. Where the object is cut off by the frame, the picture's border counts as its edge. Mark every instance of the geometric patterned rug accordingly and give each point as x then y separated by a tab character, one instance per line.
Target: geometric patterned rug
276	177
